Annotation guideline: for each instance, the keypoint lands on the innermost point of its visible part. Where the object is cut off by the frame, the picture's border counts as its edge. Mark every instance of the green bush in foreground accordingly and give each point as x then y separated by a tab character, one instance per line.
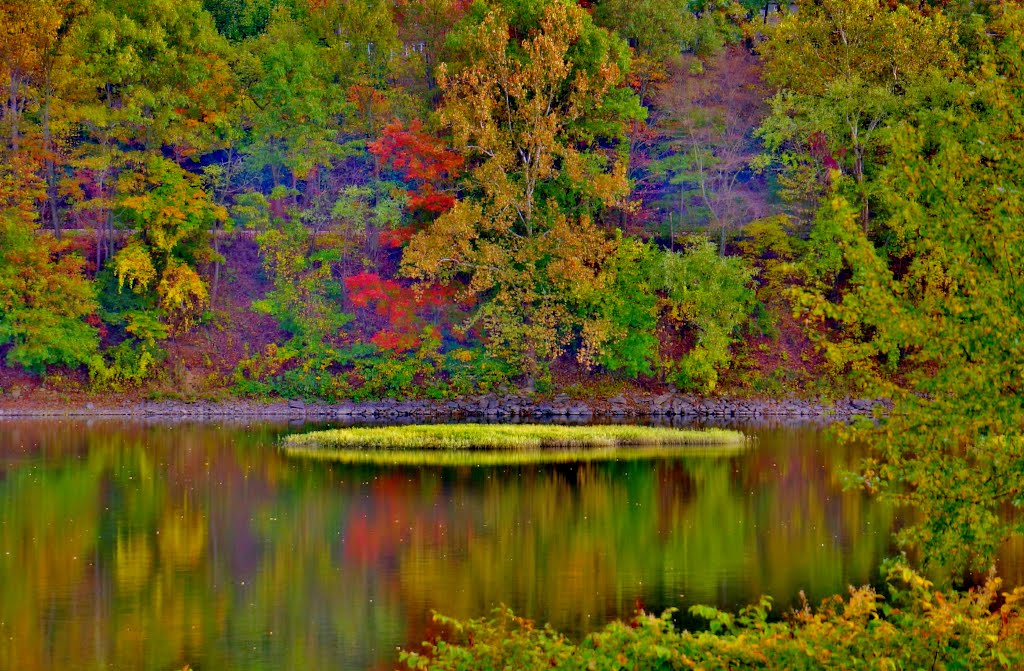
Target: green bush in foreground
916	628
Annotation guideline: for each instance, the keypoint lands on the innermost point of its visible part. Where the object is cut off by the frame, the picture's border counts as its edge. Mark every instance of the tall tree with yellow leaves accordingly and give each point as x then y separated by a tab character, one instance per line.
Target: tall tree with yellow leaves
532	117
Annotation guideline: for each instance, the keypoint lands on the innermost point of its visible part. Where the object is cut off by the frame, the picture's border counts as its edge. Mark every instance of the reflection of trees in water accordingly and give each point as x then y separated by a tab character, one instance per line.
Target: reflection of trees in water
143	547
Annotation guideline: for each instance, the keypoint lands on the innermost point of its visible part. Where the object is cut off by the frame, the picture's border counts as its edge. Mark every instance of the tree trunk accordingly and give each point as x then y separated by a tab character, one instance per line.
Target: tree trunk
51	172
865	212
12	113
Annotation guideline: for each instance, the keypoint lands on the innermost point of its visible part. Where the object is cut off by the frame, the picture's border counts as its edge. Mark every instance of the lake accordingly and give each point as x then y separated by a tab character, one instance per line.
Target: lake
152	546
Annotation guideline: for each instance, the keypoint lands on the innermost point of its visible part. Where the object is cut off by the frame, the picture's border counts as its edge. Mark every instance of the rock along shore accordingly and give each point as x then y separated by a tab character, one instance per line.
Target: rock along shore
491	407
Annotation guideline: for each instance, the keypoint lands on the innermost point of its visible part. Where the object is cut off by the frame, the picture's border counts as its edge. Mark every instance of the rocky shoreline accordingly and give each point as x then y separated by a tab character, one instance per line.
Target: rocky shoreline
490	407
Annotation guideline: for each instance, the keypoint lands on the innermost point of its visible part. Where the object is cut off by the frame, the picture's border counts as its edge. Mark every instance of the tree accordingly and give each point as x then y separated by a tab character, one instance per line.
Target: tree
141	77
153	74
843	69
621	334
943	306
423	26
294	114
361	36
45	298
657	31
304	300
530	117
706	298
32	45
707	148
423	162
400	309
240	19
171	215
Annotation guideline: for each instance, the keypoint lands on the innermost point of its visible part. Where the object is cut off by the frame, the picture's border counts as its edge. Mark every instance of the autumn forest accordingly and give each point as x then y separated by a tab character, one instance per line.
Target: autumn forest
357	200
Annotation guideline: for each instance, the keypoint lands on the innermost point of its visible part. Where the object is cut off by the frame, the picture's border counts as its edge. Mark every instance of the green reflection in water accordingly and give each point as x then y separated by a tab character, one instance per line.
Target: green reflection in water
148	547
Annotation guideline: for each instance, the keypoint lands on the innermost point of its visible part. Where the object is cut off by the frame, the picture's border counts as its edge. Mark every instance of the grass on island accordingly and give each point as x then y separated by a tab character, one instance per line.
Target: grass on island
505	444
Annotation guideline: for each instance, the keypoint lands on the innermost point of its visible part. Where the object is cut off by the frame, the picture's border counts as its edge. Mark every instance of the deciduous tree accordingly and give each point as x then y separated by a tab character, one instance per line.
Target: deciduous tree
530	116
45	298
843	69
943	305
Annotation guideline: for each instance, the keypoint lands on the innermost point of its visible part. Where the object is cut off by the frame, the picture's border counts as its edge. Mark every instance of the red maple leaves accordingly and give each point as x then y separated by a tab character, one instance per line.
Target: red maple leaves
403	309
424	162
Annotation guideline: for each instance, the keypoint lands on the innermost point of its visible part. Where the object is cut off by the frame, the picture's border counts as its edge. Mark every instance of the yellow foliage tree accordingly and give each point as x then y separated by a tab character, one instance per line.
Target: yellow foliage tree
529	116
171	216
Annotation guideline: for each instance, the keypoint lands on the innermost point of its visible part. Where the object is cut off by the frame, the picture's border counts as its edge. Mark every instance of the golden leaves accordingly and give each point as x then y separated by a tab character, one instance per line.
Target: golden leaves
181	290
515	114
134	267
447	246
858	39
521	112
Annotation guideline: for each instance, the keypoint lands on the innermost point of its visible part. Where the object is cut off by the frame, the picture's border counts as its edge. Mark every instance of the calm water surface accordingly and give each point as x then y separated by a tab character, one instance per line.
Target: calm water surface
133	546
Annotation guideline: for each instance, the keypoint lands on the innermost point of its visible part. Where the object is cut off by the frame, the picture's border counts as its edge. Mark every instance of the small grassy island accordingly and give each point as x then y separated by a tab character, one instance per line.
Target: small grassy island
502	444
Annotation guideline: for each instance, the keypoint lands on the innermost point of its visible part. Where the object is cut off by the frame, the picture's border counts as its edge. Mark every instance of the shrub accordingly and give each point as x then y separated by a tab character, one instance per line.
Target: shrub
916	628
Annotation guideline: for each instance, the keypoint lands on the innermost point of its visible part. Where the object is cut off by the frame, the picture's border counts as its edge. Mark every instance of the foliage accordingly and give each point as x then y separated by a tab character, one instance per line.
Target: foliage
294	115
657	31
918	627
136	358
45	299
621	334
940	304
474	371
154	73
401	307
304	297
644	293
171	216
522	111
844	70
423	162
240	19
709	295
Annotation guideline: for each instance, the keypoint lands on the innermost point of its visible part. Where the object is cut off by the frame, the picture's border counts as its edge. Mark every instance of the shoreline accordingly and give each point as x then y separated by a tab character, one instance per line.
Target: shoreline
491	407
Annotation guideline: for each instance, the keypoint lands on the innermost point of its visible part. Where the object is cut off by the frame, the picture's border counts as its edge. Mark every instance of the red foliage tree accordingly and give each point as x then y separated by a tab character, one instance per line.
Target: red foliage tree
423	161
402	309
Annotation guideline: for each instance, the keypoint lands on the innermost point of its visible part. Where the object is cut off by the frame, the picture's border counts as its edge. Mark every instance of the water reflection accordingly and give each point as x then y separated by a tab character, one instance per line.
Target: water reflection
148	547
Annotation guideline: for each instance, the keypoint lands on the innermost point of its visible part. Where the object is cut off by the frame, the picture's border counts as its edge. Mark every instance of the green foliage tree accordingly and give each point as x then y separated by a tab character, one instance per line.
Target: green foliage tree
305	297
657	30
621	333
44	294
141	77
293	112
694	300
942	306
708	296
150	73
843	69
240	19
